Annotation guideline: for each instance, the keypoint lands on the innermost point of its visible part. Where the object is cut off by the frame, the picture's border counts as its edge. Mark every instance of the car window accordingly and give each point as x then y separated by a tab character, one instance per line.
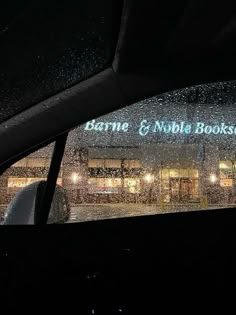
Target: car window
31	169
52	45
170	153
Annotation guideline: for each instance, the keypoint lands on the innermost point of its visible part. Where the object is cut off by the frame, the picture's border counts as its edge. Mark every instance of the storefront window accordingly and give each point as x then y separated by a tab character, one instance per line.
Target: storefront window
104	163
132	164
164	174
174	172
32	162
18	182
183	173
112	163
96	163
38	162
112	182
226	173
193	173
194	188
226	182
21	163
225	165
104	185
165	184
132	185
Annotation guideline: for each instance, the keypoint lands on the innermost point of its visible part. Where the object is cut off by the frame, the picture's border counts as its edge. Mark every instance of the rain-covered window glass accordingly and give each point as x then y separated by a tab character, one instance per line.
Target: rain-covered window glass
31	169
49	46
132	164
169	153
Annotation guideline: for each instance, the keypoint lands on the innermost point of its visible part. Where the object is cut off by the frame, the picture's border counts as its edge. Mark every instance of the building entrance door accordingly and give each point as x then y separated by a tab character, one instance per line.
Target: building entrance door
185	189
180	189
174	189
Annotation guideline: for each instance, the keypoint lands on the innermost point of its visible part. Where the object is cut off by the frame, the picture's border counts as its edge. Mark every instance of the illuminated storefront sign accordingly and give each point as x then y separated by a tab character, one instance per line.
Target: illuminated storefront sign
106	126
171	127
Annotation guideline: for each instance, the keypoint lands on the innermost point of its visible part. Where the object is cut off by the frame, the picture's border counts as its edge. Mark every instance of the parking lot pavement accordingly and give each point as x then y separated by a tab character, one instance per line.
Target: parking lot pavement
91	212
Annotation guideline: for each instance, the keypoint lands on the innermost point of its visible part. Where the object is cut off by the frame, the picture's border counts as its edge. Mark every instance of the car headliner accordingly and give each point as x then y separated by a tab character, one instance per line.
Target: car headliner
149	48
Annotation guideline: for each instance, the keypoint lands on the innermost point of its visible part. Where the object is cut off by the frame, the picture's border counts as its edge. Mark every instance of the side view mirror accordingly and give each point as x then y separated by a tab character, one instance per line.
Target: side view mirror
24	207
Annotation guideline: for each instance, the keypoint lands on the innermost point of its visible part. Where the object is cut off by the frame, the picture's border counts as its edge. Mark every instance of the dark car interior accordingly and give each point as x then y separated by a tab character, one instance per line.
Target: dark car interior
64	63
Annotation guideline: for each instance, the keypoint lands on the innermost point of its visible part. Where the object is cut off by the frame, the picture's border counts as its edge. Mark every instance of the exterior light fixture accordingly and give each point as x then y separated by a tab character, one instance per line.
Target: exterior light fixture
213	178
149	178
75	178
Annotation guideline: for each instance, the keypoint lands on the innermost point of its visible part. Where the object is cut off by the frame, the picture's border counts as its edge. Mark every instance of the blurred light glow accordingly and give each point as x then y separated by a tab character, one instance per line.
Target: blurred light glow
75	178
149	178
213	178
225	165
